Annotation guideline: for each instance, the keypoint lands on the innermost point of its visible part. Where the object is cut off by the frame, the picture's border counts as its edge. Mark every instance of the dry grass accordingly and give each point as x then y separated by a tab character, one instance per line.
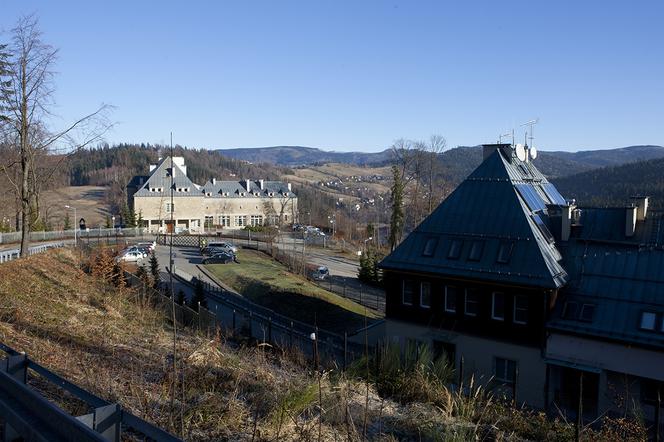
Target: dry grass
99	337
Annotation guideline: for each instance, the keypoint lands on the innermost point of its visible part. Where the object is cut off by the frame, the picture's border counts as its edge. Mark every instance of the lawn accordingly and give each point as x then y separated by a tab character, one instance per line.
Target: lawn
267	282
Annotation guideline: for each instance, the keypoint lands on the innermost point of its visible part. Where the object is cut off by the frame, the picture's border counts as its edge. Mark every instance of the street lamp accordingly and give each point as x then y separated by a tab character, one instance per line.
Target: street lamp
74	208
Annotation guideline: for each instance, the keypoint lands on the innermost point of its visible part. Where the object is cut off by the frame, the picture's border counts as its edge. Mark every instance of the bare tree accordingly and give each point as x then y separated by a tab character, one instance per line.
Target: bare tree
435	147
29	98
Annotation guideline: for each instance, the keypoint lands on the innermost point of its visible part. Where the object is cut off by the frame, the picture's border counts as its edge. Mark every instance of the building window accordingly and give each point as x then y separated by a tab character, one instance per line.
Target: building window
407	292
498	306
170	208
504	370
209	221
225	220
520	309
450	299
256	220
587	312
430	247
472	300
476	251
570	310
425	294
240	220
648	320
455	249
505	252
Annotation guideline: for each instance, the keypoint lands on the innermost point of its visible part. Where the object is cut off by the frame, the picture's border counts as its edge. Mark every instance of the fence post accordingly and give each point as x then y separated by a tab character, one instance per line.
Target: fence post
516	377
579	411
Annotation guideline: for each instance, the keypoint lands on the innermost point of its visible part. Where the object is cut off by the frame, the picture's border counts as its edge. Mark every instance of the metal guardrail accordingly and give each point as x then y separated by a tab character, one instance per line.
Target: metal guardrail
9	255
15	237
29	416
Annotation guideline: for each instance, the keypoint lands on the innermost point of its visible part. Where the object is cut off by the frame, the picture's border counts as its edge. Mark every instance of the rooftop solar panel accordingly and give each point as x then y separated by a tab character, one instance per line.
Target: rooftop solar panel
553	194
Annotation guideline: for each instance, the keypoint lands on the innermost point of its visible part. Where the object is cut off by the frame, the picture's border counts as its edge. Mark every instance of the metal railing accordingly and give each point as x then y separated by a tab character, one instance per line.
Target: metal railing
28	415
9	255
15	237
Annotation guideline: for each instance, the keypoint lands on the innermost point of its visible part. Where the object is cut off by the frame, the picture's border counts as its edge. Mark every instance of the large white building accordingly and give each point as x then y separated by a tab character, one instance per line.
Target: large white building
214	205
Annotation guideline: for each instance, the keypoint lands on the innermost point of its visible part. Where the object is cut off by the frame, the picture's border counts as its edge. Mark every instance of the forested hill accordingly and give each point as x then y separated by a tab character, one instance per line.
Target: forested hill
105	165
613	186
301	155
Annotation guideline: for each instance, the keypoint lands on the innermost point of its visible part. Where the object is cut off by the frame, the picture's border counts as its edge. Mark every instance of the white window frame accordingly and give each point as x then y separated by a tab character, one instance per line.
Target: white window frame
505	361
456	300
465	304
240	220
514	310
422	304
493	306
403	292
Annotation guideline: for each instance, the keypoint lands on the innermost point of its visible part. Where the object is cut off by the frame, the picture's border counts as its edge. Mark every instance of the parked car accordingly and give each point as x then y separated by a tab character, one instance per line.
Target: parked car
220	258
151	246
142	250
130	256
219	247
321	273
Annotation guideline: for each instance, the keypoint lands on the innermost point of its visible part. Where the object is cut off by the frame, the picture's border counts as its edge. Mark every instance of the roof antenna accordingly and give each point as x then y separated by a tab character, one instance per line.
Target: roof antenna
500	137
530	125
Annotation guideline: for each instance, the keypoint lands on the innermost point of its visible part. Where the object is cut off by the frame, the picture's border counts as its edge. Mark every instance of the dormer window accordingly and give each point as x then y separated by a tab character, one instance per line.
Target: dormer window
271	194
476	251
455	249
430	247
505	252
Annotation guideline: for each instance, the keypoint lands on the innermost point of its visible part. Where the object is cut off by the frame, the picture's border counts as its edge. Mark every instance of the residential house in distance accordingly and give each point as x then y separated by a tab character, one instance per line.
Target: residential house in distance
532	292
212	206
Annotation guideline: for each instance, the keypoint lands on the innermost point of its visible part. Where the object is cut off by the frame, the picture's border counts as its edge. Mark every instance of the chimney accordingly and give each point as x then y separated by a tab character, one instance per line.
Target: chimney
262	184
630	221
152	167
641	203
488	149
248	185
566	226
289	187
214	181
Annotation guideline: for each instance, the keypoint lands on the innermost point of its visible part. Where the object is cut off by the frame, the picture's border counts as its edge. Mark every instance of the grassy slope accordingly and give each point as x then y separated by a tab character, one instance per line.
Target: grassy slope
267	282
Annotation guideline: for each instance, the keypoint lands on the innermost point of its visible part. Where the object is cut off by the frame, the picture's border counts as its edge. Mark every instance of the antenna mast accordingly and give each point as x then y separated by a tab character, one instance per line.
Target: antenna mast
531	124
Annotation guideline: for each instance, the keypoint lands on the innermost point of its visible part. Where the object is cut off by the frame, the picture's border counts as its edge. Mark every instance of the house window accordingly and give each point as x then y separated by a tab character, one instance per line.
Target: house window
430	247
505	252
407	292
520	309
450	299
498	306
476	251
455	249
225	220
209	221
472	300
425	294
256	220
170	207
504	370
587	312
240	220
648	320
570	310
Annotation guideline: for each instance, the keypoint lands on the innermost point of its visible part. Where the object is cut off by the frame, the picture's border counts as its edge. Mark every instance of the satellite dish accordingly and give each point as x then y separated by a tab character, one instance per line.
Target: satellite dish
520	152
533	152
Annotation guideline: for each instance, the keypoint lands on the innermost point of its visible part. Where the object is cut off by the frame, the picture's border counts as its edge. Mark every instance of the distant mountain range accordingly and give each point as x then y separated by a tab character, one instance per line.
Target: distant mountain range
457	162
302	156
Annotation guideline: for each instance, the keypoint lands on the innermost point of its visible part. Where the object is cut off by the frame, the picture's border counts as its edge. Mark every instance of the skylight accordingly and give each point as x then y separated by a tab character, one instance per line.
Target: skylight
476	251
455	249
505	252
553	194
430	247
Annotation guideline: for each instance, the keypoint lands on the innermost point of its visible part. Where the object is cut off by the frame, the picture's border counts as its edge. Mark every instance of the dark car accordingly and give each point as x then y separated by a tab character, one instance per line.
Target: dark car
219	258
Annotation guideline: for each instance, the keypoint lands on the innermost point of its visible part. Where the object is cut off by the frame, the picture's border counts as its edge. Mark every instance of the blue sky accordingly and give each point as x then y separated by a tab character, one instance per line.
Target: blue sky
357	75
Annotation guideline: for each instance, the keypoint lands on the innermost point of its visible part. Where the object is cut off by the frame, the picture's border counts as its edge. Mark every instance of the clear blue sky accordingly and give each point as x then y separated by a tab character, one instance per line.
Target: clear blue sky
357	75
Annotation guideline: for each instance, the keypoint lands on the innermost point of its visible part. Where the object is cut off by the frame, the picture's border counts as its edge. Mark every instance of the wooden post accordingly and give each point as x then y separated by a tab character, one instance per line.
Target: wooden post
516	378
345	349
658	406
579	411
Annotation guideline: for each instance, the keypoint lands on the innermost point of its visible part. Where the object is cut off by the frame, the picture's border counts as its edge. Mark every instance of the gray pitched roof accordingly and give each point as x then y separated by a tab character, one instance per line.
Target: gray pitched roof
160	178
621	283
235	189
498	206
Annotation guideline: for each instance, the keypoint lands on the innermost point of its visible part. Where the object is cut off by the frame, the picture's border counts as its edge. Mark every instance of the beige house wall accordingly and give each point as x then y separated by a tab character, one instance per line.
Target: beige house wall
190	211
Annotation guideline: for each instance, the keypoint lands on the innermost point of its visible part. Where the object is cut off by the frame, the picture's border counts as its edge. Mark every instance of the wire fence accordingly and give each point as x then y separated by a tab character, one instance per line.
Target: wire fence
15	237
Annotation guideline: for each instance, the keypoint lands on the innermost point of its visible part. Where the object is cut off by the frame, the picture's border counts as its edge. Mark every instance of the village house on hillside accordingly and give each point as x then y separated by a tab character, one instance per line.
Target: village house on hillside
533	295
212	206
